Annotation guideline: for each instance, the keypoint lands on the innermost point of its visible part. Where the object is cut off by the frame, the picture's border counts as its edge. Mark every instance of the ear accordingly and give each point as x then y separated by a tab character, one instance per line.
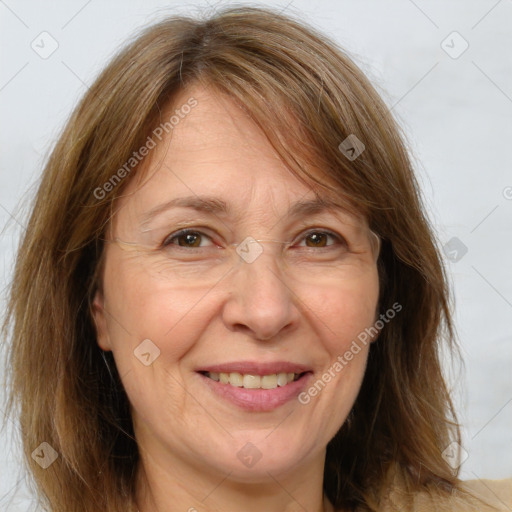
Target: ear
99	317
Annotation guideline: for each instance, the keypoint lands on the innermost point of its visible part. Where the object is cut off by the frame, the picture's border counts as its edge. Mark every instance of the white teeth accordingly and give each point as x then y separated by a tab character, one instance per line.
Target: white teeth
249	381
252	381
235	379
282	379
269	381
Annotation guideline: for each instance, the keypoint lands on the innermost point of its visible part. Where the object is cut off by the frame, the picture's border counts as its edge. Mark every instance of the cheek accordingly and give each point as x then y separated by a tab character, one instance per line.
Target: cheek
142	306
340	313
344	309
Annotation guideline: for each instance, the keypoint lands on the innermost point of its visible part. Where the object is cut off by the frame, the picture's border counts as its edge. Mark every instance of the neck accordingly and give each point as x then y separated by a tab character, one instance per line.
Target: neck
164	485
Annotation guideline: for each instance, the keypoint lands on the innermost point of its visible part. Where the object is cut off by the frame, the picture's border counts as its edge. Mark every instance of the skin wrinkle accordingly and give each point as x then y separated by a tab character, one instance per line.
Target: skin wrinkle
188	436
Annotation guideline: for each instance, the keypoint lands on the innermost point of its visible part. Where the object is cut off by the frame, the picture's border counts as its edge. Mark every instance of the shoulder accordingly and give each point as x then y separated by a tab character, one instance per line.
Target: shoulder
470	496
497	492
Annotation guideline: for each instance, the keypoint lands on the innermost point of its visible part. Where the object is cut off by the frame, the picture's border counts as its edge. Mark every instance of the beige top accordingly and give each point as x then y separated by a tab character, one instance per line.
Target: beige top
496	494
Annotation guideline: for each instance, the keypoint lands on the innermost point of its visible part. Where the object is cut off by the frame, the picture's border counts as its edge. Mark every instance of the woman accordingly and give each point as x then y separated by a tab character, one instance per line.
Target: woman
228	295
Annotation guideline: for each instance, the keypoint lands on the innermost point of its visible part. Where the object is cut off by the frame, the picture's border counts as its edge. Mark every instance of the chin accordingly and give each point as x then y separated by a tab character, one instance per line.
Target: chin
249	462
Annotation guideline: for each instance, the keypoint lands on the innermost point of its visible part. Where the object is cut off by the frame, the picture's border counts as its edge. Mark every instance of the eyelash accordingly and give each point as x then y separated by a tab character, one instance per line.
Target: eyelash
168	241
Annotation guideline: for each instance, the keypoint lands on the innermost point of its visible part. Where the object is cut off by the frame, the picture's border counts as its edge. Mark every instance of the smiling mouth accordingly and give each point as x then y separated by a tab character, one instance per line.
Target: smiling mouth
251	381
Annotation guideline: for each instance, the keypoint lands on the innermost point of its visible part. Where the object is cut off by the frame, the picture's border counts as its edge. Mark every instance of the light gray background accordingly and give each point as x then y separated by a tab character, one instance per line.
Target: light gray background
456	113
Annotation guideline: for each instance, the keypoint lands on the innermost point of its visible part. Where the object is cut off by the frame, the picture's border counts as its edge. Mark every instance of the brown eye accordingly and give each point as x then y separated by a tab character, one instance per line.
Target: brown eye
322	239
316	239
187	239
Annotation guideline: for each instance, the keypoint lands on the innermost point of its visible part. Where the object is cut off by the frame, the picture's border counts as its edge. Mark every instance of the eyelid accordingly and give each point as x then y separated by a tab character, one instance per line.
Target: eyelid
325	231
200	230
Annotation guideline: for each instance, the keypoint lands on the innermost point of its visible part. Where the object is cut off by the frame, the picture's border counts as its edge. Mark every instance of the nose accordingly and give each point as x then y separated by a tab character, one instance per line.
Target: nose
260	301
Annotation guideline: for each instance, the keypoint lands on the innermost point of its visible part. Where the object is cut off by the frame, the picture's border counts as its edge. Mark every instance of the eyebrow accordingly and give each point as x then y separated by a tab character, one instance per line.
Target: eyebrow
217	206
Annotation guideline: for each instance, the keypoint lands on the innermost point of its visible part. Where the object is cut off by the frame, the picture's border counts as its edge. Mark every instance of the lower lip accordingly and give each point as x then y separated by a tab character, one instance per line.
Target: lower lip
258	400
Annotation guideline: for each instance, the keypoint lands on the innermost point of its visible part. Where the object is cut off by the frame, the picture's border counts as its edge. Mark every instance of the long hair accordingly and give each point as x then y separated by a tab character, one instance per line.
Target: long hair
307	96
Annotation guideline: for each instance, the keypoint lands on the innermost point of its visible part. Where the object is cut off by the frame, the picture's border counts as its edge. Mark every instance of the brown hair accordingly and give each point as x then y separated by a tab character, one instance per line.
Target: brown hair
277	69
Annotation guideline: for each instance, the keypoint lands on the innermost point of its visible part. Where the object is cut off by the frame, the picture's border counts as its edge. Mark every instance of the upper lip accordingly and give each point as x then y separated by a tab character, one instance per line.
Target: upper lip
255	368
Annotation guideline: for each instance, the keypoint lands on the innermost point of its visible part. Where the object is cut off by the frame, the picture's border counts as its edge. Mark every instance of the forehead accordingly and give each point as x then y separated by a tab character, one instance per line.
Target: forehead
215	150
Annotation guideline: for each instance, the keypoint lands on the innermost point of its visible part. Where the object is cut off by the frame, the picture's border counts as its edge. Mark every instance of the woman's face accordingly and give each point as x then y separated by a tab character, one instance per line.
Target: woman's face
205	333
